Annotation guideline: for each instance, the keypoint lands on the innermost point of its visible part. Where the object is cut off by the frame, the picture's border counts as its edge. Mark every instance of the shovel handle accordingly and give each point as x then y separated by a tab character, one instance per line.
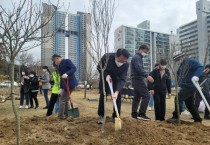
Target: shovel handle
201	93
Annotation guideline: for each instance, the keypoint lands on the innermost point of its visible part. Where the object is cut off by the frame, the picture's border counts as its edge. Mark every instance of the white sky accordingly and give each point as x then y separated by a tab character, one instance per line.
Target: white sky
164	15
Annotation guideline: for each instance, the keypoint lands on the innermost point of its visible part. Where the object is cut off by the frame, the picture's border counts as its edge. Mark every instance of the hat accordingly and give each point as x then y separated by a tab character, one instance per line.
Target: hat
55	55
178	54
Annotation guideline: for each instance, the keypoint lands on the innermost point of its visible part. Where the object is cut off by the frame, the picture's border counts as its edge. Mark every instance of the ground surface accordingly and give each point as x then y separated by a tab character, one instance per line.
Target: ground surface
36	130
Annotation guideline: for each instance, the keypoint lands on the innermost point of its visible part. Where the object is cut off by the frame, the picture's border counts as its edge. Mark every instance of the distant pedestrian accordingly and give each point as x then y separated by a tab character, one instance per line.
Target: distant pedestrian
45	79
141	91
33	89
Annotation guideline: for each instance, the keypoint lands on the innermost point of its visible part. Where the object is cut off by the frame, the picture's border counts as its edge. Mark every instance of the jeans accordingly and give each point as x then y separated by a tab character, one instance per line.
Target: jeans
56	108
46	96
151	101
22	96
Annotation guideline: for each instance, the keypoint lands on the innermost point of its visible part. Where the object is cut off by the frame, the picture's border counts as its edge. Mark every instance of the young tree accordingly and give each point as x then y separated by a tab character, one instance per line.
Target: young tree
20	28
102	14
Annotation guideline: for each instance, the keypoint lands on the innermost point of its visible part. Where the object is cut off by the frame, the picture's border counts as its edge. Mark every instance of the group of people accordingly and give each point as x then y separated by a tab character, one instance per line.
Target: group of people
115	66
156	83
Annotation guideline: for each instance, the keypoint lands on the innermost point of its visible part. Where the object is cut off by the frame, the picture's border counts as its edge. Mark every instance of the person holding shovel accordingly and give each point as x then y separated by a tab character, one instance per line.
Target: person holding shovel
189	71
67	83
116	69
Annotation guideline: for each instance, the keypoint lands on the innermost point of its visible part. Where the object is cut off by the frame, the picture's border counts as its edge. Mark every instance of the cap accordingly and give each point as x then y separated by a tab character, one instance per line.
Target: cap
178	54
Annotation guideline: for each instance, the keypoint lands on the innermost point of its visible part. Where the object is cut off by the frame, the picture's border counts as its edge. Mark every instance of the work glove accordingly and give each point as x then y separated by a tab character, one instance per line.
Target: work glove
108	78
195	79
64	76
115	95
60	92
179	89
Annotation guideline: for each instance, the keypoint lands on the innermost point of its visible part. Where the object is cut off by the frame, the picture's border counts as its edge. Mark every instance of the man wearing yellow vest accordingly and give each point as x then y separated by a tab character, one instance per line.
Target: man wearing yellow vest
55	88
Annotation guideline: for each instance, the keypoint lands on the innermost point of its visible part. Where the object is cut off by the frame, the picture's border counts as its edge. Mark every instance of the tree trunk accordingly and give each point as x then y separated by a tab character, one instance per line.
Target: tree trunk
104	92
177	103
17	117
85	89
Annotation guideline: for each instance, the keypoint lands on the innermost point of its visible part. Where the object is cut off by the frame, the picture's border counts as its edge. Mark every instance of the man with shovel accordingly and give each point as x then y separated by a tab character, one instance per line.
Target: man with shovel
188	72
68	82
116	68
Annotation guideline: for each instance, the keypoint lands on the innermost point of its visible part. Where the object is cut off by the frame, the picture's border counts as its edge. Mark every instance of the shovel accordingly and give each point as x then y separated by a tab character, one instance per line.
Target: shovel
73	112
118	123
201	93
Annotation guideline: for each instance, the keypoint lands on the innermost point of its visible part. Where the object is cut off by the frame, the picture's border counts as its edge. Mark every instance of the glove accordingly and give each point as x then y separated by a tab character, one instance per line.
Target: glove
108	78
115	95
60	92
179	89
195	79
64	76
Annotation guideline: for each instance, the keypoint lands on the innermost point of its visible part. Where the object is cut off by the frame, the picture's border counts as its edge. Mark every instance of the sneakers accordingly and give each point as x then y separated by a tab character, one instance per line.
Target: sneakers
36	107
100	120
173	120
207	117
185	112
143	117
21	107
26	107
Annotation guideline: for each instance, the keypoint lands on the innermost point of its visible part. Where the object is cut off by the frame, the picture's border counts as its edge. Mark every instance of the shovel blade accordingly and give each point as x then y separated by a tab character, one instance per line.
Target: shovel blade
74	112
118	124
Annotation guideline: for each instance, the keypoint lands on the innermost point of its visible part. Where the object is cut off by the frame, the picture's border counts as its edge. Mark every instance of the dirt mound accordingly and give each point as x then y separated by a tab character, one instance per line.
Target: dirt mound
84	130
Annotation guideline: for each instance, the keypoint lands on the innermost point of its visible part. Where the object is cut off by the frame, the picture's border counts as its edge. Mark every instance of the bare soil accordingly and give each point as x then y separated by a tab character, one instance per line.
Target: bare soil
36	130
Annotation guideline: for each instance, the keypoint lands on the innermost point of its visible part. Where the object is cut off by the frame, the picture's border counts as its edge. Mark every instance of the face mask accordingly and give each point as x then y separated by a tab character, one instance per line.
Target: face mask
31	75
23	73
143	53
163	66
44	70
119	64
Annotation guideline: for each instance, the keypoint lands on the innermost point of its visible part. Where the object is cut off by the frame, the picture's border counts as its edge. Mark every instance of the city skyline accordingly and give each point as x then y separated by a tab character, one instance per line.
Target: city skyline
164	15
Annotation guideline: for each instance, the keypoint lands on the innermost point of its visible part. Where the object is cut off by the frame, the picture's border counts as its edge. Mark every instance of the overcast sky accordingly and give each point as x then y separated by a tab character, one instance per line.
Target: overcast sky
164	15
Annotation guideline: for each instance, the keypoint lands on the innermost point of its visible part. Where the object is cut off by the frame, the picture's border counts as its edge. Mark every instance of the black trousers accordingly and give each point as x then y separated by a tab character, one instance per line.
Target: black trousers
53	99
187	95
141	93
33	96
160	105
198	99
101	105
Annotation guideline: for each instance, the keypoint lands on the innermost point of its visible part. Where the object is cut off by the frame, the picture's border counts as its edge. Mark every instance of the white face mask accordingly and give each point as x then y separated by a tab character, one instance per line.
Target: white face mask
44	70
143	53
119	64
31	75
23	73
163	66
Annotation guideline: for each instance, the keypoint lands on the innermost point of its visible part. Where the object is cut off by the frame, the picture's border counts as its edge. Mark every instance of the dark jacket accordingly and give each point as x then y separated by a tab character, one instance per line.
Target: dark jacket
34	84
137	68
161	84
67	67
118	74
188	68
24	88
205	86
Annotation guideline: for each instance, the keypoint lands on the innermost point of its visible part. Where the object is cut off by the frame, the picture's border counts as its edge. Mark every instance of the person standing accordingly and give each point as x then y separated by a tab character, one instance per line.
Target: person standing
33	89
66	69
161	85
45	79
141	91
116	69
189	70
24	89
55	88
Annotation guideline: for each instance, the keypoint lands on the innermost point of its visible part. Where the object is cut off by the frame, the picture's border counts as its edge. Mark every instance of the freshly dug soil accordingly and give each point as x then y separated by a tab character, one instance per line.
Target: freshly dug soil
37	130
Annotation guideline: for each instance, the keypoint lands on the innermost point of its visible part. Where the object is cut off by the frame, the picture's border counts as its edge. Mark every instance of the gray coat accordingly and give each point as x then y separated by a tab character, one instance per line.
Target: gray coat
46	81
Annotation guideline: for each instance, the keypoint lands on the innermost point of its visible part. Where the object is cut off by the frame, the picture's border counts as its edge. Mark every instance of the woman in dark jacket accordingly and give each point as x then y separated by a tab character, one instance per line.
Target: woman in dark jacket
162	83
33	89
24	90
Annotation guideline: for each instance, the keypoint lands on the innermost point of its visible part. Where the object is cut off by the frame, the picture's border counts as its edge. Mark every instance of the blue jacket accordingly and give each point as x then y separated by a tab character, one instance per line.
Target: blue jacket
188	68
67	67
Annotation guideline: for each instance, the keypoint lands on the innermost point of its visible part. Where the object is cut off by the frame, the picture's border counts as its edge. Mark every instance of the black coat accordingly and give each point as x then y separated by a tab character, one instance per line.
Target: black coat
34	84
161	84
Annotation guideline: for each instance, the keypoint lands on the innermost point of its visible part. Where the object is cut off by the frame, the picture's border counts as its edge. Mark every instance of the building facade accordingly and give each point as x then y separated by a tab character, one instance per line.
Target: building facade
79	27
131	38
55	30
194	36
